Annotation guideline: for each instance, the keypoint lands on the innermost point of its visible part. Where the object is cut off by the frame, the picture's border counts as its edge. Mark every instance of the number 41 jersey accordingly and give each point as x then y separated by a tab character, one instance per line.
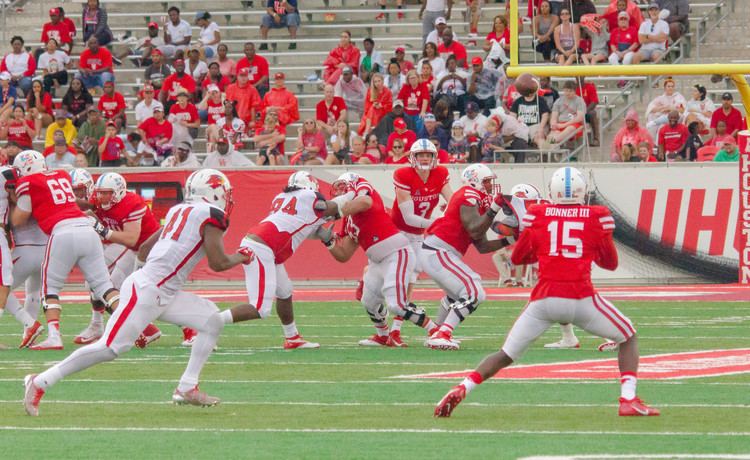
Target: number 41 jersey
52	198
292	219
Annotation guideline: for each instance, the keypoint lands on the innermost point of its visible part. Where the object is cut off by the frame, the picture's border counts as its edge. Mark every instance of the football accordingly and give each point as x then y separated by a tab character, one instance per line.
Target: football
526	84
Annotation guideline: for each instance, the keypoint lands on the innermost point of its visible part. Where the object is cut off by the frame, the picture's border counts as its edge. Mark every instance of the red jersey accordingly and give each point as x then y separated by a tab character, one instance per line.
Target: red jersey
424	194
52	198
188	113
455	49
17	132
215	111
589	93
59	32
155	131
372	226
330	114
113	150
565	240
102	59
673	139
110	105
449	228
414	98
408	137
623	39
131	208
404	160
257	68
222	83
172	84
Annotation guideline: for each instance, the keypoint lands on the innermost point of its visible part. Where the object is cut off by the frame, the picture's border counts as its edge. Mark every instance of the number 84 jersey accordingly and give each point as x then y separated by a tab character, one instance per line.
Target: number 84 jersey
51	197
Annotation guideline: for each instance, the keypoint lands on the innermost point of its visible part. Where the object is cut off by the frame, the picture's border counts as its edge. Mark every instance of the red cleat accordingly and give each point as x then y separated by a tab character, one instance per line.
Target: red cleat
394	340
188	336
449	402
636	407
149	335
30	334
297	341
375	341
32	396
360	289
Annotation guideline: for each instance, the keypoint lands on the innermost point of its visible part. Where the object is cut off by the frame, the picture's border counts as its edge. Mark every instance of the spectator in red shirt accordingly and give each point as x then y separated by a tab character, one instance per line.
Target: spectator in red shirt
500	34
72	31
729	115
623	41
311	145
20	64
56	29
397	154
176	83
156	133
282	100
416	98
215	78
211	108
184	118
591	98
246	98
329	111
344	55
672	138
39	105
400	59
18	129
111	148
378	102
112	105
450	46
400	133
258	68
95	65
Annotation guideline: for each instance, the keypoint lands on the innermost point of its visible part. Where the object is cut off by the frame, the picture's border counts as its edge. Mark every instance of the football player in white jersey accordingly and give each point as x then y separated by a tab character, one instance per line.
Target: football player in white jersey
194	230
296	214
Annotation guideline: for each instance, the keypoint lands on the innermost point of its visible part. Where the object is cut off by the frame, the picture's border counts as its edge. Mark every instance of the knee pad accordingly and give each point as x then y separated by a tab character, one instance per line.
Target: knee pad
463	308
53	305
414	314
377	314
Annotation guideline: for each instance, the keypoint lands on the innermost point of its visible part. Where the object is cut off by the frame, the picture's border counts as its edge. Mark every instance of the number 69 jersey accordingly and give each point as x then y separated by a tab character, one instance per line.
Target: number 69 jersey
292	219
180	245
52	198
565	240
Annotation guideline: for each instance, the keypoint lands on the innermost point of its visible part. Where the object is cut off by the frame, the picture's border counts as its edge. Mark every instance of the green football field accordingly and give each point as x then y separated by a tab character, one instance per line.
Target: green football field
344	401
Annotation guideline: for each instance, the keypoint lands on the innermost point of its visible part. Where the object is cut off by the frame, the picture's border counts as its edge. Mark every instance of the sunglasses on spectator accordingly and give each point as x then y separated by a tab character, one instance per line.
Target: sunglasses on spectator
309	123
398	147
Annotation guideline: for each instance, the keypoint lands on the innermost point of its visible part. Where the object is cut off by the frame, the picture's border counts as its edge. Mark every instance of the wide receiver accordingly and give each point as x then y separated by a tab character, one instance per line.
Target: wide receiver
469	215
194	230
296	214
565	237
391	259
418	190
48	197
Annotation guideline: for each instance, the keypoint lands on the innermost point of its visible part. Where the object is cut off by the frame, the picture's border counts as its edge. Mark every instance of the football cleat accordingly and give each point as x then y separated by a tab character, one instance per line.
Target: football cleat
394	340
188	336
636	407
563	344
89	335
298	342
441	341
194	397
30	334
375	341
149	335
32	396
52	343
449	402
608	346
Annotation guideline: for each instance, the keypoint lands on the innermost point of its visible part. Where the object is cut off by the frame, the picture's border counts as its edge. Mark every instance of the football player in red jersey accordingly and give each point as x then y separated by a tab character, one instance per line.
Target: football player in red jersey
390	258
469	215
564	237
48	197
418	190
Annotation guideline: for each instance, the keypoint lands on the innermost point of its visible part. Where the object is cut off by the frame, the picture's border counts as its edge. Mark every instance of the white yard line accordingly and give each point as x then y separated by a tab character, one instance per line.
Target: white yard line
641	456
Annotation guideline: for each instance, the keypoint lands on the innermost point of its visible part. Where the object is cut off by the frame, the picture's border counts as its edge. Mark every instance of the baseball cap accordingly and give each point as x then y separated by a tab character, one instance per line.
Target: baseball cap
244	71
730	140
183	92
653	5
5	76
60	113
727	96
472	107
179	61
153	24
112	124
54	11
399	123
212	87
398	102
440	20
623	14
400	49
346	69
185	145
158	108
109	83
148	87
428	117
222	140
457	124
156	51
476	60
279	76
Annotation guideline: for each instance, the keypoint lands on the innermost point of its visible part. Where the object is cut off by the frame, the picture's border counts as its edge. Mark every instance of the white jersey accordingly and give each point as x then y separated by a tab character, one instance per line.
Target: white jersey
180	246
293	218
29	234
6	174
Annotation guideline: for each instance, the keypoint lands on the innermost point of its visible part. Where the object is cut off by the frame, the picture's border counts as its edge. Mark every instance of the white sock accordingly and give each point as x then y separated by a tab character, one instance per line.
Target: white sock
382	331
396	324
628	382
53	328
226	316
290	330
97	318
567	333
204	344
81	359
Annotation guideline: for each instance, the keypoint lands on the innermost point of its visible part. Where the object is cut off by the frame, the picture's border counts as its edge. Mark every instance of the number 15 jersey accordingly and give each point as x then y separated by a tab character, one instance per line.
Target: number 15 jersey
52	198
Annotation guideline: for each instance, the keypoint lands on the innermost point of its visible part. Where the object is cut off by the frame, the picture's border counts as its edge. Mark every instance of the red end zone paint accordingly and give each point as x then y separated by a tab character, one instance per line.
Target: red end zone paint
708	363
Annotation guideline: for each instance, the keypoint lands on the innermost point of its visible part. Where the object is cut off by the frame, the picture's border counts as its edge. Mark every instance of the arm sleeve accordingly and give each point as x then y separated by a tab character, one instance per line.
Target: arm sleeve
407	211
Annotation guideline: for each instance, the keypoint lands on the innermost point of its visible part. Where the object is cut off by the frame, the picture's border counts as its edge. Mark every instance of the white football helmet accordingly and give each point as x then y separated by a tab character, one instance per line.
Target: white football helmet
526	191
479	177
303	179
209	186
568	186
344	183
29	162
423	146
80	178
111	182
